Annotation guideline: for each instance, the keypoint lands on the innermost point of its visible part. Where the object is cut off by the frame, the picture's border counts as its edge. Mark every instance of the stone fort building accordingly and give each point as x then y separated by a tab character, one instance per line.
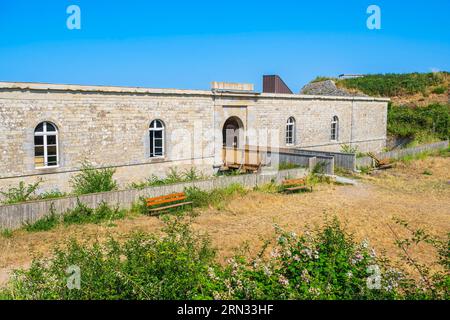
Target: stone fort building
48	130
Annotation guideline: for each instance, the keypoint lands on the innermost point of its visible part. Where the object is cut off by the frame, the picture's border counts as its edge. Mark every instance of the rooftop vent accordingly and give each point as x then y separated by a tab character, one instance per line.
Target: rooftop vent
274	84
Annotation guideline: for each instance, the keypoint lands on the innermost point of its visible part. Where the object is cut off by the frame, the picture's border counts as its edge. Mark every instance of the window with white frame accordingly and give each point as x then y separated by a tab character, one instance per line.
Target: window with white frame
290	131
156	139
46	145
335	128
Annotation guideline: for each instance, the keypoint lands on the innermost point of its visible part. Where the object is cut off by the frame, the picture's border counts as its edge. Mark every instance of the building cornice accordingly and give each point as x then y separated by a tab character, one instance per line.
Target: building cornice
88	89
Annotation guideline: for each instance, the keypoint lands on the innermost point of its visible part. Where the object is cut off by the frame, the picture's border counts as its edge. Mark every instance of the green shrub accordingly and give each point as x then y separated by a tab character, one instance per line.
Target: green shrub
346	148
144	267
139	206
216	197
319	168
6	233
78	215
82	214
91	180
365	169
192	175
153	181
172	177
323	78
46	223
288	166
326	263
271	187
54	194
425	123
21	193
440	90
390	85
418	156
444	152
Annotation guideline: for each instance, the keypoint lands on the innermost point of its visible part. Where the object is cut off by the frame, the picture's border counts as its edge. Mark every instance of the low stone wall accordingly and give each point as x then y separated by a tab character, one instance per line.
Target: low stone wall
271	158
396	154
307	161
342	160
14	216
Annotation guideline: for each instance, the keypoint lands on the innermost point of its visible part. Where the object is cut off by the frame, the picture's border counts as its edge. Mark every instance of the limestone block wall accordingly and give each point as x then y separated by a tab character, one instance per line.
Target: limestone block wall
361	123
108	126
107	129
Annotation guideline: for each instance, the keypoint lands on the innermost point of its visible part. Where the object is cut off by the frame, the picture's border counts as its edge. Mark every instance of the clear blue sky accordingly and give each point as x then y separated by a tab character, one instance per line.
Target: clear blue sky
187	44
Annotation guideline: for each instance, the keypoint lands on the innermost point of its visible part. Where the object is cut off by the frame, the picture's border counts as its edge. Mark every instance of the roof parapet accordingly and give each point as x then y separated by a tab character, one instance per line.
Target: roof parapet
232	87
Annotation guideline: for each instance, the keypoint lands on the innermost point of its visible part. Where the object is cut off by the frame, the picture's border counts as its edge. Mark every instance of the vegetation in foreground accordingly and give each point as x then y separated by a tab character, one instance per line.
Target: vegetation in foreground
322	264
425	124
81	214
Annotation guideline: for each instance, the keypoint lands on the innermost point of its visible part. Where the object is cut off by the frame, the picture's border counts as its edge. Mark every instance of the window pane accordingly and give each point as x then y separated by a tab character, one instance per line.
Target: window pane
52	161
38	140
51	139
39	162
151	144
40	127
50	127
51	150
158	134
39	151
156	124
158	143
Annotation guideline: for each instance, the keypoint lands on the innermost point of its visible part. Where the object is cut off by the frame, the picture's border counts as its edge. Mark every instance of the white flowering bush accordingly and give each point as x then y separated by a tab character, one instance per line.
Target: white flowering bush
181	264
328	264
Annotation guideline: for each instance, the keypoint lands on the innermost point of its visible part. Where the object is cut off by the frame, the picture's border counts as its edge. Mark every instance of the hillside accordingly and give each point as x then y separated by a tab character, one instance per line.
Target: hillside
419	111
411	89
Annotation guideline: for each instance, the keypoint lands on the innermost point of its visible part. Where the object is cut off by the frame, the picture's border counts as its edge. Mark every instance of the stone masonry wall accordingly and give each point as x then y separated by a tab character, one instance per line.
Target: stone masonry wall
106	129
361	123
110	129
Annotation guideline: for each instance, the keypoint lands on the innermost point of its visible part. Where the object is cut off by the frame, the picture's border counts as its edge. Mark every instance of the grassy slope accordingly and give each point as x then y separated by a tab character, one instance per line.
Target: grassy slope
420	106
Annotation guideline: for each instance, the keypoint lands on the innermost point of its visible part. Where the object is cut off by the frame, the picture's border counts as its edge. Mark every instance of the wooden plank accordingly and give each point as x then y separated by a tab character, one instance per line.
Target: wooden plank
166	196
294	181
171	206
154	203
299	188
165	199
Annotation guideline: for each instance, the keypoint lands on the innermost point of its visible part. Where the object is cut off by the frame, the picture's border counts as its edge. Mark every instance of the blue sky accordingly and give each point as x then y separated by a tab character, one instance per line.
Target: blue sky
188	44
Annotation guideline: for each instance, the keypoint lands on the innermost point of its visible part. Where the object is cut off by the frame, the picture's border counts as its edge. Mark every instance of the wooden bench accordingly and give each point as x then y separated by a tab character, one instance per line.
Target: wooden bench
168	199
381	163
292	185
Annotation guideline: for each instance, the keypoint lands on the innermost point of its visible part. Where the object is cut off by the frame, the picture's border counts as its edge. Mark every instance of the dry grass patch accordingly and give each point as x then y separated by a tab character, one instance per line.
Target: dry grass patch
365	210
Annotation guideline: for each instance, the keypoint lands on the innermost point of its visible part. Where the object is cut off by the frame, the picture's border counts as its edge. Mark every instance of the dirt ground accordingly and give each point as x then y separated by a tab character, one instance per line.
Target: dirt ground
366	209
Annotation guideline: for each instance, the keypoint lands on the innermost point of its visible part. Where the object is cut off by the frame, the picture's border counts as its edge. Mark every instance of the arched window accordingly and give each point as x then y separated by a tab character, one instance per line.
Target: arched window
156	139
290	131
335	128
46	145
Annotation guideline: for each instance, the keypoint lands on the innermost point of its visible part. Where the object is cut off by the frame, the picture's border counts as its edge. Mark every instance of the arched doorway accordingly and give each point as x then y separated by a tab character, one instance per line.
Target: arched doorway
231	132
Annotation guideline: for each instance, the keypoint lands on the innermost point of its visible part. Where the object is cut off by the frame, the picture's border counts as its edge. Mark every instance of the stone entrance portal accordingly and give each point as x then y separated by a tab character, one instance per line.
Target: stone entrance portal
231	132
